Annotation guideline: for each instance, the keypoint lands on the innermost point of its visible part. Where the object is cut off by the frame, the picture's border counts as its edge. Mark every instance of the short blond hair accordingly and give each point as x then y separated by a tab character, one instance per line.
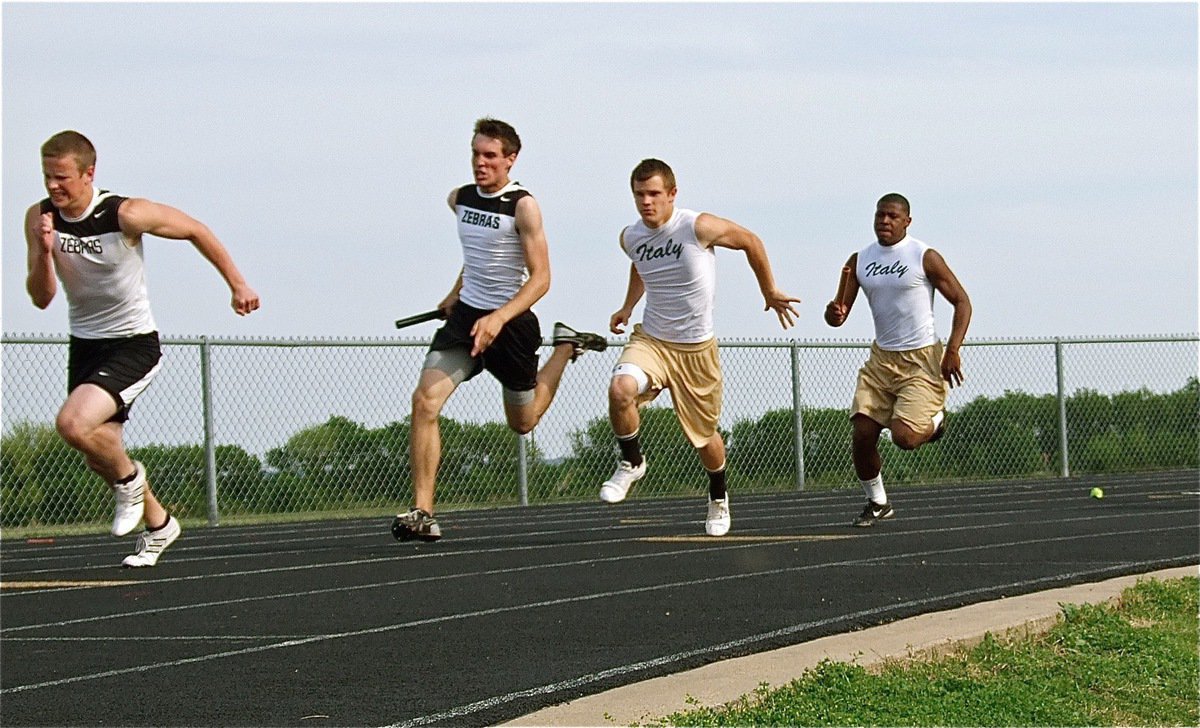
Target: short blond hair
71	143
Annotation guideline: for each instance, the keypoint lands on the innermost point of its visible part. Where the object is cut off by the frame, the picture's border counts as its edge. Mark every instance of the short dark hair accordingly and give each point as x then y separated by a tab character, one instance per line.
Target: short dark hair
496	129
647	168
895	198
71	143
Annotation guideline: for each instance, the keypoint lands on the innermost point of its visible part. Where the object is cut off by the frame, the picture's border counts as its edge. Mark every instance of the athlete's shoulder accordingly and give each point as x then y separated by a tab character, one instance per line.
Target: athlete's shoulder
457	195
514	191
106	200
621	236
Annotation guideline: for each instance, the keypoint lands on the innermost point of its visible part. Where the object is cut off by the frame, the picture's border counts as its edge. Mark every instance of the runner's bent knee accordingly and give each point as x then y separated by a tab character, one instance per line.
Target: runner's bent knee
430	395
628	381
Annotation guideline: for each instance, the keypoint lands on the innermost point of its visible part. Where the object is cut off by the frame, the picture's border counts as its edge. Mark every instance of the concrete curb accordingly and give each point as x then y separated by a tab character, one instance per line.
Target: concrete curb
927	634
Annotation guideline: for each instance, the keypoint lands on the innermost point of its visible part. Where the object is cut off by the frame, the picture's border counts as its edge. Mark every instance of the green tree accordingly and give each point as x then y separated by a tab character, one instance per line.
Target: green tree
44	482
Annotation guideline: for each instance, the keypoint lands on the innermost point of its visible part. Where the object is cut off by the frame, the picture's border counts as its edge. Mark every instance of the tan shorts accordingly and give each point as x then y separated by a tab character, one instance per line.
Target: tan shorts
691	371
904	385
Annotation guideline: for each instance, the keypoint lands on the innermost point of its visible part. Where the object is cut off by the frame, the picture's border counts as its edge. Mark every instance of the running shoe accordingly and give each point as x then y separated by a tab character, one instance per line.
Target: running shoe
718	520
941	427
416	524
130	502
151	544
617	487
874	512
581	340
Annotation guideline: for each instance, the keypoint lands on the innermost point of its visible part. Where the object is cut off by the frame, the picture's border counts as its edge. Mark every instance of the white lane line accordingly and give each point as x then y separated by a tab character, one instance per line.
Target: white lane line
775	513
21	565
914	503
505	548
52	585
548	603
166	638
468	709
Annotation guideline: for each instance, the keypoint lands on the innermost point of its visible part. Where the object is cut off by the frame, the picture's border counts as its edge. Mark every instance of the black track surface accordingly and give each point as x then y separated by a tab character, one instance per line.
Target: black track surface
335	623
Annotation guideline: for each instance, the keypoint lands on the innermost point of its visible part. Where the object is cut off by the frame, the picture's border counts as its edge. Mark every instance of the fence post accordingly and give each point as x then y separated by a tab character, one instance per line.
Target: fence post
1062	408
798	445
210	451
523	469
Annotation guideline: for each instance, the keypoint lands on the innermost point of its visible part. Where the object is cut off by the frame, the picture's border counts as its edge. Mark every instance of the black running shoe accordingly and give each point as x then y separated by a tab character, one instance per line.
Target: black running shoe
581	340
874	512
416	524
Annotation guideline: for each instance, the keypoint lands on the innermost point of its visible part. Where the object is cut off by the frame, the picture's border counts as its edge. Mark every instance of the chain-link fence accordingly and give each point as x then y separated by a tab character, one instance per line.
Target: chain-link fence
247	429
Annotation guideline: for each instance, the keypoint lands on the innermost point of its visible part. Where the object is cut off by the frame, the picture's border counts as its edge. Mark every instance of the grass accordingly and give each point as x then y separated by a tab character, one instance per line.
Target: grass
1132	663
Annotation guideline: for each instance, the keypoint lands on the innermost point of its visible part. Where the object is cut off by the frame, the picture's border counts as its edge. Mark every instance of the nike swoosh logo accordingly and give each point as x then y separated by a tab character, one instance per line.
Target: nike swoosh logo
505	199
99	214
103	374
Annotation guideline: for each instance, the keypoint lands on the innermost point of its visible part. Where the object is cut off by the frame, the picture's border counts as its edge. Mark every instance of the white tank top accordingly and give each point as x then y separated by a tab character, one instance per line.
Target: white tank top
102	272
680	276
493	259
900	295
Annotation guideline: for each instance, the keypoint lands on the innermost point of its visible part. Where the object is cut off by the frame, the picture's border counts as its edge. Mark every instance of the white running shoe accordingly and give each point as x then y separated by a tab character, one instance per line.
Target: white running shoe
130	502
717	523
617	487
151	544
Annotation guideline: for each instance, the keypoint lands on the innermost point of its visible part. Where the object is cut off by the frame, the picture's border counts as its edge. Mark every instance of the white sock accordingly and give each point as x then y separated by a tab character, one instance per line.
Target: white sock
874	489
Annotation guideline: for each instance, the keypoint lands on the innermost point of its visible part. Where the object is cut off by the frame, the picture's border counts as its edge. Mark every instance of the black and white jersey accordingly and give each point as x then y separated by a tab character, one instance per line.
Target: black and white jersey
101	270
493	260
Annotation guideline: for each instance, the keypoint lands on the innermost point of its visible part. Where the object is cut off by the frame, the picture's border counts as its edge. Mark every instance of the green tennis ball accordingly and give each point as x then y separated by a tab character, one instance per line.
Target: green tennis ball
1097	493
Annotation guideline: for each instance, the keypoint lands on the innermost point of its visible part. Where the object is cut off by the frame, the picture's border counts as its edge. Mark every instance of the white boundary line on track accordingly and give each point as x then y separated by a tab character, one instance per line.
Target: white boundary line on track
171	638
775	514
754	503
617	593
916	490
717	545
928	504
468	709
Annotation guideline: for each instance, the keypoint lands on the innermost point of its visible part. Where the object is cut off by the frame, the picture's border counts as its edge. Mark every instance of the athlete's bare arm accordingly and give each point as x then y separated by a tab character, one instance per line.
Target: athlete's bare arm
717	231
633	293
944	280
836	312
447	303
139	216
39	237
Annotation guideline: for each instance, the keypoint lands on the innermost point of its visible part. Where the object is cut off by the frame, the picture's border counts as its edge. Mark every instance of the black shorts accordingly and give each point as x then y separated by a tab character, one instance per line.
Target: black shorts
513	356
122	367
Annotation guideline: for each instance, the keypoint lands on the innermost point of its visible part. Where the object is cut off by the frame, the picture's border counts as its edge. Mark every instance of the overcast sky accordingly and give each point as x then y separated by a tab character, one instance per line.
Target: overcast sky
1049	150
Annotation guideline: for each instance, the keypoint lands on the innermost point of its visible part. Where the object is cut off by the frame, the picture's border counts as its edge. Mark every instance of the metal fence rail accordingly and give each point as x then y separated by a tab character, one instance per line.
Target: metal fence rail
240	428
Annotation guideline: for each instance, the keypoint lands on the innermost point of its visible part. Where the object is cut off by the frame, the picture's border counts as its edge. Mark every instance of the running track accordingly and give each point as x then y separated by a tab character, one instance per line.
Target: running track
334	623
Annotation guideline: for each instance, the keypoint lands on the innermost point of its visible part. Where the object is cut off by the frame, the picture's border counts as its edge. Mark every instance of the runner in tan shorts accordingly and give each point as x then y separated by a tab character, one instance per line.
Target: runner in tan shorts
673	263
691	371
903	385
